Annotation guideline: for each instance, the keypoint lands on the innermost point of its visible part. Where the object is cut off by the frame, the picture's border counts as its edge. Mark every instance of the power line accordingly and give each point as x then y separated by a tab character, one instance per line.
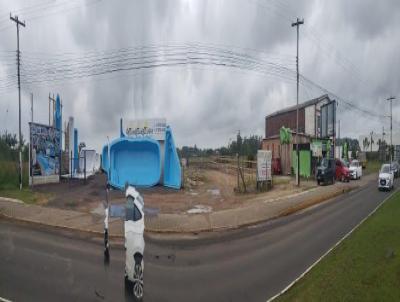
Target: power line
126	59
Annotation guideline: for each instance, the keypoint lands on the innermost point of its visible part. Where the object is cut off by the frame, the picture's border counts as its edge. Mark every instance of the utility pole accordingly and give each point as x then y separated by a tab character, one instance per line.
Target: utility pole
52	101
339	130
32	107
371	141
54	109
49	108
383	134
297	24
390	99
18	23
238	160
30	147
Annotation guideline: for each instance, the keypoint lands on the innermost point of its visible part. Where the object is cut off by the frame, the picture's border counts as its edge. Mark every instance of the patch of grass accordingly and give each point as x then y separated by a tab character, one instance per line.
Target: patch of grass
365	267
372	167
9	177
281	180
26	195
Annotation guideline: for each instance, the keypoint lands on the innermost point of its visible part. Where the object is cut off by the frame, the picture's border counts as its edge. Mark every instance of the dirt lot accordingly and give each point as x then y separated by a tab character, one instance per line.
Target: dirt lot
205	190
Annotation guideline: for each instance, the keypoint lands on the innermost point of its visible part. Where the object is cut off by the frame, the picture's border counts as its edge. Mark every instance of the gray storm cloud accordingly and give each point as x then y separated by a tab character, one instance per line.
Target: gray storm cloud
344	47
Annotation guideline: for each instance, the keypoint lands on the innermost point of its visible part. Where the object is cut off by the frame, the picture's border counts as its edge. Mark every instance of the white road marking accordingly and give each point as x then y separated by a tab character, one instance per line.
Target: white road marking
4	300
327	252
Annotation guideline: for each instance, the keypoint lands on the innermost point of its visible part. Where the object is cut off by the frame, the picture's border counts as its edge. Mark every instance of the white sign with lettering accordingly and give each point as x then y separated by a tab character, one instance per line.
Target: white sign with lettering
264	159
154	128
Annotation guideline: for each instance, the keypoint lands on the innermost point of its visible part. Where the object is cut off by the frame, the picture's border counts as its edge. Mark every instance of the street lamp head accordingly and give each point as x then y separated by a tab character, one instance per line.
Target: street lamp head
298	22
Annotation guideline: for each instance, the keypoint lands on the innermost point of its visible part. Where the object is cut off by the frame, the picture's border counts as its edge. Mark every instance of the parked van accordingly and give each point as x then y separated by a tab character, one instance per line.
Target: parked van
326	171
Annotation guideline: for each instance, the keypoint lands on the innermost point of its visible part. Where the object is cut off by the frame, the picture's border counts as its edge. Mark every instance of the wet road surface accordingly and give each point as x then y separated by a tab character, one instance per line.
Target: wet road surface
250	264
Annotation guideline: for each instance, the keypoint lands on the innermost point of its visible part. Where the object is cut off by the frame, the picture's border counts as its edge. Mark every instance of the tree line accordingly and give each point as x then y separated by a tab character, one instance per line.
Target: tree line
245	146
9	147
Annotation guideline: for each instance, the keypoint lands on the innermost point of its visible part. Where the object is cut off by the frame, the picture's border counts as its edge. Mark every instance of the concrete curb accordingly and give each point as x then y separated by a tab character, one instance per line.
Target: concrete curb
211	218
315	201
210	222
61	227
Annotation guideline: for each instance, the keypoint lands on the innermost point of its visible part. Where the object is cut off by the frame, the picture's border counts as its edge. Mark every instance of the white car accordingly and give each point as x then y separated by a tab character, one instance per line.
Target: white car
386	178
355	169
134	242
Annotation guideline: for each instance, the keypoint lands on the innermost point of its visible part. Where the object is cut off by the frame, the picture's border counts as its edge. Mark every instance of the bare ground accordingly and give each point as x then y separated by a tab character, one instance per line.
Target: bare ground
208	188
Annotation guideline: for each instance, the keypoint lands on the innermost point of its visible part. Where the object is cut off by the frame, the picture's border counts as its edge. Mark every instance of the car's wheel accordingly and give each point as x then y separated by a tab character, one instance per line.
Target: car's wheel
318	182
138	288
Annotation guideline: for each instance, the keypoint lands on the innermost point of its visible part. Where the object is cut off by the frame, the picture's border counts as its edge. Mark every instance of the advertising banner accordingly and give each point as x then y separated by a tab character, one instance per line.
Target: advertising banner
45	144
328	120
154	128
264	158
316	148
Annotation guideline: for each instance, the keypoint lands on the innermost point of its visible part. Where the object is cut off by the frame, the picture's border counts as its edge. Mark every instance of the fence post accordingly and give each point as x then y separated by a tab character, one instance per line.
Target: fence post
84	165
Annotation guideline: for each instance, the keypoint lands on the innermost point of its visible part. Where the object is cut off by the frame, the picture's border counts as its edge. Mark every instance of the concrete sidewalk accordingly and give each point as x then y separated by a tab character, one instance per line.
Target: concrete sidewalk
262	210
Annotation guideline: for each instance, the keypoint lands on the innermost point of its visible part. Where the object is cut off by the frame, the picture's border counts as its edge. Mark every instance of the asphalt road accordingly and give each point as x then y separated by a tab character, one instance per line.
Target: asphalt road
251	264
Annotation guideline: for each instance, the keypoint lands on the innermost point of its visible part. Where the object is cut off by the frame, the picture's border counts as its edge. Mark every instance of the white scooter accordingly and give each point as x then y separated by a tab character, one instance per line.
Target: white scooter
134	241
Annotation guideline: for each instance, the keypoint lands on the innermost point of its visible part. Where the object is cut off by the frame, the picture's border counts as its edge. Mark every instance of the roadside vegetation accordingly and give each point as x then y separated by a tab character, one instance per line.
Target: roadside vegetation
246	146
365	267
373	166
9	176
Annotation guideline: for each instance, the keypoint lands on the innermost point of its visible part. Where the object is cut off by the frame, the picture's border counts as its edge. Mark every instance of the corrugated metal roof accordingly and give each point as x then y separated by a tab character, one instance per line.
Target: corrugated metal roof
301	105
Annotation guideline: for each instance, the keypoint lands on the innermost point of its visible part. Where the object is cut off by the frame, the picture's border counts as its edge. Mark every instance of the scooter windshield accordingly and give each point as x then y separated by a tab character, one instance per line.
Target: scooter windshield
132	212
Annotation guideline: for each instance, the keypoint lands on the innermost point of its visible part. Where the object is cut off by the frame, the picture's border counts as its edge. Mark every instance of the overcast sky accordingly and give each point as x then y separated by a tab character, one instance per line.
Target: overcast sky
350	48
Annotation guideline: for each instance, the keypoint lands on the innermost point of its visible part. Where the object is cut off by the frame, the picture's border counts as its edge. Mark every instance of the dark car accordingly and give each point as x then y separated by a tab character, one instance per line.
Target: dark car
395	167
326	171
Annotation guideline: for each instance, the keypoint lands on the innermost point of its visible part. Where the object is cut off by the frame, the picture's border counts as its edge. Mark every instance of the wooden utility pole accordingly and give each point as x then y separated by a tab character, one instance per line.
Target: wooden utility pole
18	23
297	24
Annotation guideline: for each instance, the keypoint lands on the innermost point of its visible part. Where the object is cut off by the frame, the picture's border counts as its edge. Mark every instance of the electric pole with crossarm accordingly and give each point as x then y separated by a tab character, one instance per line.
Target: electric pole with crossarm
297	24
18	23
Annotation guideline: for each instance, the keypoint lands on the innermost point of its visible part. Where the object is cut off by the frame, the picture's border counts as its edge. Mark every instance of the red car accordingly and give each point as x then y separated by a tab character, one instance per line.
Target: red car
342	171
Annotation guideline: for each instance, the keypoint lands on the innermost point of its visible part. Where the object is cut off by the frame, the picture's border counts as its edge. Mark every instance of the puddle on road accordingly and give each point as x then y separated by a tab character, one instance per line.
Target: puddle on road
119	211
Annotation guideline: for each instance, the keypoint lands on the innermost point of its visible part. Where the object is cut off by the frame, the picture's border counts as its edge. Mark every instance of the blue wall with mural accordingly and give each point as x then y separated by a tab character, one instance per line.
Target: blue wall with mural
46	150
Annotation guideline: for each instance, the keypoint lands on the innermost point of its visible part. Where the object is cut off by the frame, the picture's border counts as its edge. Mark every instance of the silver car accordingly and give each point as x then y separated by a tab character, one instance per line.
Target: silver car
386	178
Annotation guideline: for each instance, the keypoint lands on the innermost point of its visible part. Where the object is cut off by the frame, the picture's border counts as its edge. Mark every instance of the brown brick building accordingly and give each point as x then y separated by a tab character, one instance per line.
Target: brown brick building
309	121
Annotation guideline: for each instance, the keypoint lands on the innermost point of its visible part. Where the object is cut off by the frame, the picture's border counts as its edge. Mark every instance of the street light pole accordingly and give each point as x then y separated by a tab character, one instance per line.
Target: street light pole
297	24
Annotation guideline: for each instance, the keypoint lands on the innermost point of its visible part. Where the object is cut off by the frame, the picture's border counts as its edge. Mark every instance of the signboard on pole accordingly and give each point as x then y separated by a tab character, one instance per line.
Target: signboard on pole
264	159
328	120
45	143
154	128
316	148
